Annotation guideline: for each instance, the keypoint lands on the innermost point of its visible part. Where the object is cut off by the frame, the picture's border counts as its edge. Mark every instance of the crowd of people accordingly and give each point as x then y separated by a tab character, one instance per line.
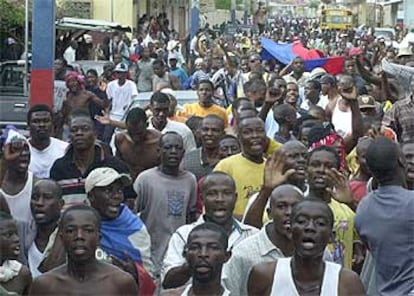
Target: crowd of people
276	181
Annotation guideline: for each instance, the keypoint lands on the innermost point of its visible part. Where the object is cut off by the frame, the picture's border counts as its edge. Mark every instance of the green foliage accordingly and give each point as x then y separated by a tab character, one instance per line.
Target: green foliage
11	15
69	8
223	4
314	4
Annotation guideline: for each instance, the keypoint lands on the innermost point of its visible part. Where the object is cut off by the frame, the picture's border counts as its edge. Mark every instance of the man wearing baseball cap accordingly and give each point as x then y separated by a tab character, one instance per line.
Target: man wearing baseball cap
124	236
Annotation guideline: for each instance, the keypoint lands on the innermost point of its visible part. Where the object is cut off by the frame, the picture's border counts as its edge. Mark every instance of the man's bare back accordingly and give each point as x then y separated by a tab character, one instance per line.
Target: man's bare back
105	280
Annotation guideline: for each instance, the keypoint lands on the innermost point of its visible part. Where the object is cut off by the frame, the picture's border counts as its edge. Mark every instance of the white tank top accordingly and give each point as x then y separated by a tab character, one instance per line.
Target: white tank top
341	120
19	203
34	257
283	283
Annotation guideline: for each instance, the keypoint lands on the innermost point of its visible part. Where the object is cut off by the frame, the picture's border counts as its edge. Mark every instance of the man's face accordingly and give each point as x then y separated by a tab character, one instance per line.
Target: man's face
252	136
298	66
219	199
137	130
45	204
408	151
160	112
244	65
319	164
211	132
121	76
228	147
58	66
350	68
281	209
172	150
281	85
311	230
325	87
9	240
296	155
91	79
292	94
205	255
40	125
311	93
73	85
255	63
82	133
173	63
80	235
21	163
158	70
205	92
107	200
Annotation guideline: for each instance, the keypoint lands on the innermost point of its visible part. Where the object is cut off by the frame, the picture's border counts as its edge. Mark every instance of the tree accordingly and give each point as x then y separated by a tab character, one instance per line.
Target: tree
11	22
71	8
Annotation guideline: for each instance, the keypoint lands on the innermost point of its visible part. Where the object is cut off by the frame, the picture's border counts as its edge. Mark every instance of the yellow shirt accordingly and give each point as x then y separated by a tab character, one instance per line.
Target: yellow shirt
272	147
248	176
195	109
345	234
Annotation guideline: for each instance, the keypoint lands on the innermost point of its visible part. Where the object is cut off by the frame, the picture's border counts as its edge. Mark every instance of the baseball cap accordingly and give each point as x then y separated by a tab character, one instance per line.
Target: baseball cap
121	68
172	56
105	176
327	78
366	101
198	61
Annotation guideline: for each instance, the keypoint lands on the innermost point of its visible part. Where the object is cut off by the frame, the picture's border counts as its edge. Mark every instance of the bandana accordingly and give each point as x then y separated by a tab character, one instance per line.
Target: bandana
331	140
75	76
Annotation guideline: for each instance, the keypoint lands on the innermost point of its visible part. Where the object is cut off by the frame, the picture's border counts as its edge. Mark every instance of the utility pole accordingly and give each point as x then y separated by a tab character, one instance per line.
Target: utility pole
246	11
233	11
194	17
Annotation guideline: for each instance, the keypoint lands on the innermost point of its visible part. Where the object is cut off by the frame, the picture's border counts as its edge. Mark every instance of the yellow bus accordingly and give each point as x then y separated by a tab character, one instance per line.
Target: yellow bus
336	18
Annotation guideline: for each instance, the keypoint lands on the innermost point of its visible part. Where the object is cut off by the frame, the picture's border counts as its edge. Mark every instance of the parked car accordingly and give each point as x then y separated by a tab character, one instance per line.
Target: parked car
14	104
85	65
182	96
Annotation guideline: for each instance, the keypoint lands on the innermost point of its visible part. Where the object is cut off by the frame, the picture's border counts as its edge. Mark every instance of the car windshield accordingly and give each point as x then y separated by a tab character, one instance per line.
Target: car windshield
11	78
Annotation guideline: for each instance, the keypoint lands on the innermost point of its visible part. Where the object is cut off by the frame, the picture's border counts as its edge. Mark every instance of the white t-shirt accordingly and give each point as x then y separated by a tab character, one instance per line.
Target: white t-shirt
41	161
121	96
181	129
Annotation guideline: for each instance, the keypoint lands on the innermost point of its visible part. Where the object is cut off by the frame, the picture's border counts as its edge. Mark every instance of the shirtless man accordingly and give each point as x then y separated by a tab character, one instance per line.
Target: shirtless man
138	147
15	277
77	97
306	272
83	274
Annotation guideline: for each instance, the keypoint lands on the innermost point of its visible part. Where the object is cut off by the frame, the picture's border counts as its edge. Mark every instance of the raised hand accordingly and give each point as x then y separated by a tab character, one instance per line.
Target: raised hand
341	191
275	173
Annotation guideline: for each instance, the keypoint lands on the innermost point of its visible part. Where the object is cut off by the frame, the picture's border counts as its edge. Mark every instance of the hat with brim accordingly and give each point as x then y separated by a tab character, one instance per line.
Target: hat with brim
121	68
102	177
366	102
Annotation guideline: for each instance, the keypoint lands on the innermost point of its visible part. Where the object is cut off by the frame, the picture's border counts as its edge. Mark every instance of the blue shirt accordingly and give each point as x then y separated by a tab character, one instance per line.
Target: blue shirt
385	222
180	74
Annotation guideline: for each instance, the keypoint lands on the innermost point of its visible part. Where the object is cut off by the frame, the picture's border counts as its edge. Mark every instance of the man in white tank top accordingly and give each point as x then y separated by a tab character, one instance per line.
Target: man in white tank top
306	273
